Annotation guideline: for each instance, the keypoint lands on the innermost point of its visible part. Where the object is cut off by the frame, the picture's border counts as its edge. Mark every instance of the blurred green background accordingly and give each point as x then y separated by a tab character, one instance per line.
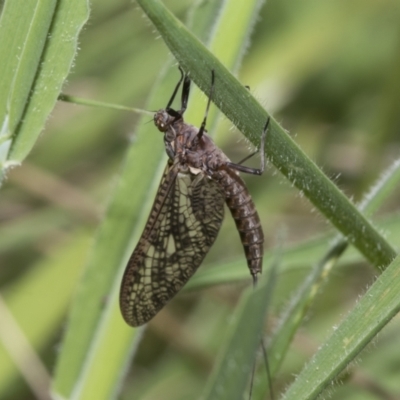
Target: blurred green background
329	72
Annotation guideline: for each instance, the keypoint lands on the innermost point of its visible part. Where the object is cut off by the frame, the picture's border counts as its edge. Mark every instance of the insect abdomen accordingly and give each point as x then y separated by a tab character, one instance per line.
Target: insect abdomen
246	217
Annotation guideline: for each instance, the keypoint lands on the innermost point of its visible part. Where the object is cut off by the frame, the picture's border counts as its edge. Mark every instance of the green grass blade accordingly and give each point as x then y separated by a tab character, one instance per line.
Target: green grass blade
230	50
295	257
376	308
119	229
307	292
338	99
38	45
300	303
93	330
39	299
231	374
235	101
243	19
300	254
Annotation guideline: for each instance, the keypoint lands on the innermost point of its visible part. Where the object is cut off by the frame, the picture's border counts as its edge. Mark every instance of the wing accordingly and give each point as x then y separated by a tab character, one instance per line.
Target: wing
185	219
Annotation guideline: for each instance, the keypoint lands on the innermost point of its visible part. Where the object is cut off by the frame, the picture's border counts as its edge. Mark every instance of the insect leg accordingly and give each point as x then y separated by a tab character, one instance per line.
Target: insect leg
203	124
185	95
176	89
248	157
253	171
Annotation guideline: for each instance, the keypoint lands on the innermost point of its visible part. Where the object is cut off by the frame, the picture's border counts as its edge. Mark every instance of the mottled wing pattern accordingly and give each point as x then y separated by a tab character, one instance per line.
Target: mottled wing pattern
183	224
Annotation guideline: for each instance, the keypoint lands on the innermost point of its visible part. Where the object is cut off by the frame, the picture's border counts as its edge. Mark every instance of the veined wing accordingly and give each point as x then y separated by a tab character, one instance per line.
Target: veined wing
185	219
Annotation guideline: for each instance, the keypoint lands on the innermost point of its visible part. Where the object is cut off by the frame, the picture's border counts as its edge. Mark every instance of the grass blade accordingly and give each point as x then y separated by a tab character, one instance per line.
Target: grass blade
296	257
40	42
94	330
39	299
376	308
307	292
235	101
231	373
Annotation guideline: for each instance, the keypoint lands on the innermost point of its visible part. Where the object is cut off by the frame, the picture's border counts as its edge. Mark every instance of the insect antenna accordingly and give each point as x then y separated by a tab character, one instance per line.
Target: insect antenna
100	104
203	124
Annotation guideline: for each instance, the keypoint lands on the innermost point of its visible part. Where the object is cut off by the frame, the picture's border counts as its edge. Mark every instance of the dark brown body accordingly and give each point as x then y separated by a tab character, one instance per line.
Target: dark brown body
246	218
186	217
202	153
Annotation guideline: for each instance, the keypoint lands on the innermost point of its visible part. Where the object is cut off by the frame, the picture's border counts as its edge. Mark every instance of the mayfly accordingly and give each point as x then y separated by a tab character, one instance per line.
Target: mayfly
187	213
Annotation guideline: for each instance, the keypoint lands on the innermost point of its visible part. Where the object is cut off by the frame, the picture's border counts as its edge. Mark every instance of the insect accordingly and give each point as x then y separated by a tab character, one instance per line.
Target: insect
187	213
